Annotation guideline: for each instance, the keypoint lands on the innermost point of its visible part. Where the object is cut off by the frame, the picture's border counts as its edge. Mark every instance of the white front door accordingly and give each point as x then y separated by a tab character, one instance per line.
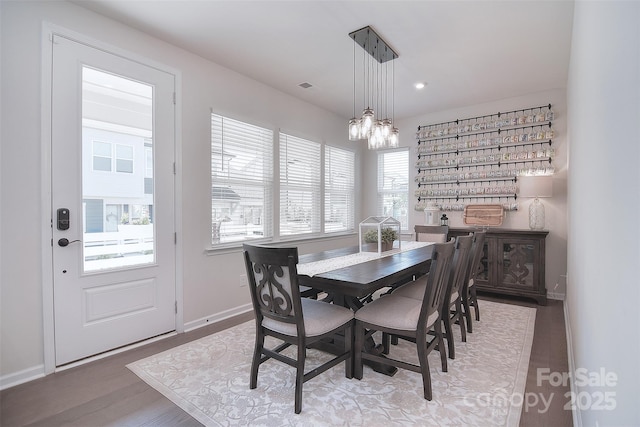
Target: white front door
112	189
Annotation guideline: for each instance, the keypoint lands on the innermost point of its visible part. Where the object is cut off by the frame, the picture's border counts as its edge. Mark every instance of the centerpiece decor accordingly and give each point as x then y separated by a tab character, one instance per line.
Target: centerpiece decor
379	234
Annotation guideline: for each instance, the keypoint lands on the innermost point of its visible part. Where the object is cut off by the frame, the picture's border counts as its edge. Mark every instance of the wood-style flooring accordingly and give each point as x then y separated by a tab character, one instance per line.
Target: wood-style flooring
106	393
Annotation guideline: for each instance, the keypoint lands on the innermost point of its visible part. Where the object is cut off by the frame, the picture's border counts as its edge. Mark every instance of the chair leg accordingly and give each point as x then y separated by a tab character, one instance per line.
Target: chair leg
257	353
421	343
358	349
459	315
467	315
448	333
474	298
443	352
302	353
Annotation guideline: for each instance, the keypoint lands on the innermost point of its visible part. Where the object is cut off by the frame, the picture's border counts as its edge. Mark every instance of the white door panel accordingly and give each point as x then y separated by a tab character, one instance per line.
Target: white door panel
112	170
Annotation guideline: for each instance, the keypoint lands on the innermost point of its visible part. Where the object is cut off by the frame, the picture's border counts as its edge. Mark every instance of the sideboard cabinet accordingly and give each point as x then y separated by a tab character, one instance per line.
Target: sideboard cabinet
512	262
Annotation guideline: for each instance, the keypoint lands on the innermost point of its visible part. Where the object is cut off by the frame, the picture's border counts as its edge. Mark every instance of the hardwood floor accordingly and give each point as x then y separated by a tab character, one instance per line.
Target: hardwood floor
106	393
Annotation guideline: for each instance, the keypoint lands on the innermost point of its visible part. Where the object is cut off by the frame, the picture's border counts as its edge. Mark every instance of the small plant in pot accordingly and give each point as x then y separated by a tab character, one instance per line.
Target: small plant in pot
387	236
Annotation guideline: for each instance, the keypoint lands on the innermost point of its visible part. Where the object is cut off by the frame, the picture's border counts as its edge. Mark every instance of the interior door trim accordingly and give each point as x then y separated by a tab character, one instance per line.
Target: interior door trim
48	31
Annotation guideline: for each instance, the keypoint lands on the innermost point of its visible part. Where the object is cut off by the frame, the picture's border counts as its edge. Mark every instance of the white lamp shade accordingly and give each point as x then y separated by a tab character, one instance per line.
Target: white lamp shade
536	186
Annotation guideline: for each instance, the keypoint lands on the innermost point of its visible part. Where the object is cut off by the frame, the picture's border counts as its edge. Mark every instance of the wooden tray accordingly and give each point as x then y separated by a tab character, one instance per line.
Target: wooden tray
487	215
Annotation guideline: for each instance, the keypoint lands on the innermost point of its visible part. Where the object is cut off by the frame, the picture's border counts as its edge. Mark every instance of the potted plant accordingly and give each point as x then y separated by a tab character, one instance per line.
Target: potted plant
387	236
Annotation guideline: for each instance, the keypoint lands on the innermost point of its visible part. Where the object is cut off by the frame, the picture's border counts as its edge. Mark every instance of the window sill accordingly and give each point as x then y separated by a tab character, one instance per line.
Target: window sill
283	241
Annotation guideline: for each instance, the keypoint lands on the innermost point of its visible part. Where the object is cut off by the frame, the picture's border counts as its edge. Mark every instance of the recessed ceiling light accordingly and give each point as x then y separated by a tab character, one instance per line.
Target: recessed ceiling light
420	85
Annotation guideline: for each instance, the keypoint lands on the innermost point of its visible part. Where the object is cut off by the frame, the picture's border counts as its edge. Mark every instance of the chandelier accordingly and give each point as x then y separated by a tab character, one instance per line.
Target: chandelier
376	123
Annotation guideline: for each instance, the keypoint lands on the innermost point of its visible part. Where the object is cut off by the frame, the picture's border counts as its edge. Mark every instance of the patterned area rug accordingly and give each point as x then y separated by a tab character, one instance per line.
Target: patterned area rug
209	378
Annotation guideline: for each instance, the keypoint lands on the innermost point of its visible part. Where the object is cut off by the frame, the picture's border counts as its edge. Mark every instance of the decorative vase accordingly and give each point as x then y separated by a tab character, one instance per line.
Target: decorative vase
536	215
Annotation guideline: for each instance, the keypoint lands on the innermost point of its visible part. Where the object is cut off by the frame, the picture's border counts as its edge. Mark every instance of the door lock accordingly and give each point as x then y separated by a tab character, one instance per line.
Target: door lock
63	220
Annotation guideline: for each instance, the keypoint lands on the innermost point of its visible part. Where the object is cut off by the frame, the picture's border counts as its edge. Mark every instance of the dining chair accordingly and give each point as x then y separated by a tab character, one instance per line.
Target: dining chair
424	233
452	303
469	297
409	318
431	233
452	306
281	312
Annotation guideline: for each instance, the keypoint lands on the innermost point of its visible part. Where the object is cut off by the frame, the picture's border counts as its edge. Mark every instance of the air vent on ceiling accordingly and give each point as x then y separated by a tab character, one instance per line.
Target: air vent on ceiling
305	85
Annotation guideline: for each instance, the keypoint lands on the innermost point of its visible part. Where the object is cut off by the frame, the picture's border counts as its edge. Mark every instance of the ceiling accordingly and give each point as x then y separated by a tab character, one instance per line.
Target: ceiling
468	52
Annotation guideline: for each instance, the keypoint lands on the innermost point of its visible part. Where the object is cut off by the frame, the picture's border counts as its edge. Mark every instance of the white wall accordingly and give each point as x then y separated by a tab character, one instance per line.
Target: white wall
211	282
555	207
603	99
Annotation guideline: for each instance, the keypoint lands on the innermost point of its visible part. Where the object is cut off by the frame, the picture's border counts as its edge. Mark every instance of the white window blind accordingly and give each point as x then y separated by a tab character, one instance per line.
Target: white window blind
393	185
339	191
299	186
241	181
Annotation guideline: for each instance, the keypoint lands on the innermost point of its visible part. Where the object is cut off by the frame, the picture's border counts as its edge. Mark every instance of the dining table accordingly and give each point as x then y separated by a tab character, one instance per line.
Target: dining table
350	278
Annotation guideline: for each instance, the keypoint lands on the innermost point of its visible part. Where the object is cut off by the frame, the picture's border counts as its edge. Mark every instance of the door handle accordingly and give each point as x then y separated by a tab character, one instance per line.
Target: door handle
65	242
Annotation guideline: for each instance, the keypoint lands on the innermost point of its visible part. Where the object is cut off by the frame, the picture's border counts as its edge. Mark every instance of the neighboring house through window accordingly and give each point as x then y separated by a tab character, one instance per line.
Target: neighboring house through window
300	186
241	181
339	191
393	185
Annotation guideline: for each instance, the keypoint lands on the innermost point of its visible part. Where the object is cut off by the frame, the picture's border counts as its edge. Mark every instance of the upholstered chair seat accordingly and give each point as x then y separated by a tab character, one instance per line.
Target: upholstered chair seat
319	318
395	312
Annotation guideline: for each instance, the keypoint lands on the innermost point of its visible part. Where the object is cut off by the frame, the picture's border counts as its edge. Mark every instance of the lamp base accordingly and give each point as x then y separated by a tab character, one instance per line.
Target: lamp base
536	215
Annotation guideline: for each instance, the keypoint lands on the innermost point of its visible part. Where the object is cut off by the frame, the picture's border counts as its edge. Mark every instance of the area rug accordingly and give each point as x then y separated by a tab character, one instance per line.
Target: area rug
484	385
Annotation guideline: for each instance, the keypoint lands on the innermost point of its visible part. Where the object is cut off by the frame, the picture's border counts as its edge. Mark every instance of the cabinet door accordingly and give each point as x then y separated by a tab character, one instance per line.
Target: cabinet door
486	271
517	261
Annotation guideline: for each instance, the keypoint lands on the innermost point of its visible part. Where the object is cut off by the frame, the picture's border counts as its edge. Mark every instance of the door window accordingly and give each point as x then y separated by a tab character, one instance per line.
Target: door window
117	132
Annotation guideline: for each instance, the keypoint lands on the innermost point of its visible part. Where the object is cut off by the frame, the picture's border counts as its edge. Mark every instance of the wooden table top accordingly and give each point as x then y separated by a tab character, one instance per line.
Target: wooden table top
365	278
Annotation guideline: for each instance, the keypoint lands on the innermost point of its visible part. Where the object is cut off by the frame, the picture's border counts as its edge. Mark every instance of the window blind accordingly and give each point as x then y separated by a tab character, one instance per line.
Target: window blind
241	181
339	193
393	185
299	186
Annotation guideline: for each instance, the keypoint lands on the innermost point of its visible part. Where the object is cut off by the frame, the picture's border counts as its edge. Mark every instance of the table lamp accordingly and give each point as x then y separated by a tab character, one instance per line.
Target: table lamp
536	186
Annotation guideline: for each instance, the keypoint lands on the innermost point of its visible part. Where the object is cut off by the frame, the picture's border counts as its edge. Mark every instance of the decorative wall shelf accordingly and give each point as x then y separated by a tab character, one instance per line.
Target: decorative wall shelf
479	159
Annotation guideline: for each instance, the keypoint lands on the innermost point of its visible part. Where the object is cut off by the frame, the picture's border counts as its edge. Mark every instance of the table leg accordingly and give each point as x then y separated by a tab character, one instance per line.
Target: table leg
370	345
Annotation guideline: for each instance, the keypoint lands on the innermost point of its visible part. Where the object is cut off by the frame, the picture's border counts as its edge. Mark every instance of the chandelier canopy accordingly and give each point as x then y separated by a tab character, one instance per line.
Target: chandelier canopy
374	90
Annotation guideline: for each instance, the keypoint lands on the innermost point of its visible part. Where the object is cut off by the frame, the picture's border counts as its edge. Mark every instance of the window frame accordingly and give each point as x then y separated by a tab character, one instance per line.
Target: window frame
249	184
295	182
348	192
382	192
320	191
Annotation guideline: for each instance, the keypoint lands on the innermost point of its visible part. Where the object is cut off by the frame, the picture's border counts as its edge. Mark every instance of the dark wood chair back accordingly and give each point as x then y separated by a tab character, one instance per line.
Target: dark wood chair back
476	254
273	281
469	295
431	233
437	279
459	266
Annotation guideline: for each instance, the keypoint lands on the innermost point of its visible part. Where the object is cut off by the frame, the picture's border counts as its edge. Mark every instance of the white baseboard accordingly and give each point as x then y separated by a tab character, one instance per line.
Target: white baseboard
208	320
21	377
577	418
36	372
555	296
